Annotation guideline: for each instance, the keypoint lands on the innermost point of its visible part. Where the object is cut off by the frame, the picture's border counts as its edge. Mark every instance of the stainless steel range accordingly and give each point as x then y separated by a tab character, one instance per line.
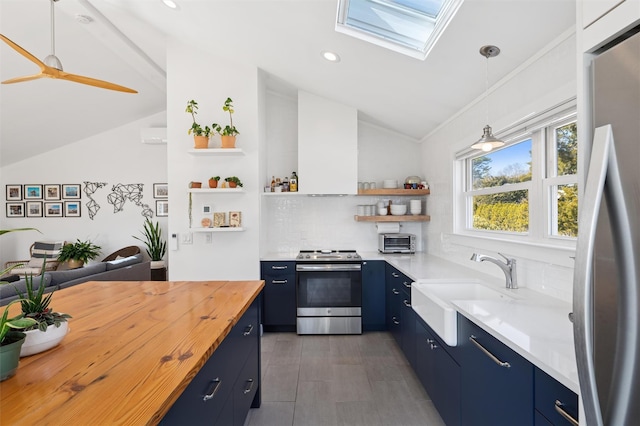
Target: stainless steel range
329	292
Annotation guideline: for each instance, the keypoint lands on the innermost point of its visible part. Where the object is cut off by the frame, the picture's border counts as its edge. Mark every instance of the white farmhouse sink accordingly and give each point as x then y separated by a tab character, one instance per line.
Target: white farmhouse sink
431	299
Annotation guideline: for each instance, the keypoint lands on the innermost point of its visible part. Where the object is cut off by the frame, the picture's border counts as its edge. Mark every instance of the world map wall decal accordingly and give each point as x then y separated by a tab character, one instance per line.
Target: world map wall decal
120	193
89	189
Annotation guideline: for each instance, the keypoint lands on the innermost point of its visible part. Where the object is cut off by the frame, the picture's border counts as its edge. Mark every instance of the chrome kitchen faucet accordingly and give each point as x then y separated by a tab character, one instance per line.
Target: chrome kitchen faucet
508	267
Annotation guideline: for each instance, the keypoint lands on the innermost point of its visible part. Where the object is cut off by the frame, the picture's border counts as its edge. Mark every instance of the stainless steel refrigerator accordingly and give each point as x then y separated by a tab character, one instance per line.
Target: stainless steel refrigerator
606	280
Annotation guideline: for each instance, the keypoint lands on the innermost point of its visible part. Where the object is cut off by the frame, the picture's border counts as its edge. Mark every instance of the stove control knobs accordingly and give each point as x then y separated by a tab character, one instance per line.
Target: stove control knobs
308	256
348	256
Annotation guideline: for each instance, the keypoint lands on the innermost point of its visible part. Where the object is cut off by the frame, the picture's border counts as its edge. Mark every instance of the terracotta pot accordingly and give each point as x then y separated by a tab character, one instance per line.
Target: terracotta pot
213	183
228	141
195	184
201	142
232	185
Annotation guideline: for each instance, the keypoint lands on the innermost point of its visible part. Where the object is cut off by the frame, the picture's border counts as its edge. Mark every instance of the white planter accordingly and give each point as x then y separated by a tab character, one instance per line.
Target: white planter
157	264
39	341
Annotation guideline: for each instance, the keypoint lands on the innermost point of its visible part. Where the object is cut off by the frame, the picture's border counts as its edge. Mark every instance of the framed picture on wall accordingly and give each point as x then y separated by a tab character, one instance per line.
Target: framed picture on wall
72	209
33	192
53	209
71	191
160	190
162	208
52	192
34	209
15	209
14	192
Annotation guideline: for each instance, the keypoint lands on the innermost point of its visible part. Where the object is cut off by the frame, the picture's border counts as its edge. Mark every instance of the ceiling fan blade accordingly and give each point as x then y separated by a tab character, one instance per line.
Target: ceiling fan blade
25	78
94	82
23	52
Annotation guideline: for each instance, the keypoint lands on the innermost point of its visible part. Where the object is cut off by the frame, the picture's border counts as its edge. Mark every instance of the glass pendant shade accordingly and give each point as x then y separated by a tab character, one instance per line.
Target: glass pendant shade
487	142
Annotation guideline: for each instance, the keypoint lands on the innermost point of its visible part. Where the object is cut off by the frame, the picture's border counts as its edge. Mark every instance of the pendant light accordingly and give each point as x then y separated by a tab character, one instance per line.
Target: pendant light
488	142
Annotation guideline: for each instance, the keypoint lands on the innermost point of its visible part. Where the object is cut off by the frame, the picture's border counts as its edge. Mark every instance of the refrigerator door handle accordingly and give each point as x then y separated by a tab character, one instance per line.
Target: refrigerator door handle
604	178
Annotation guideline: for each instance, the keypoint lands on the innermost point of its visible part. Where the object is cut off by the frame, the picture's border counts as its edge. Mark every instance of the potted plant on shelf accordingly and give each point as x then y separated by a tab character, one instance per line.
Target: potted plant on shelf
213	182
11	340
156	249
76	254
229	132
233	181
200	135
50	327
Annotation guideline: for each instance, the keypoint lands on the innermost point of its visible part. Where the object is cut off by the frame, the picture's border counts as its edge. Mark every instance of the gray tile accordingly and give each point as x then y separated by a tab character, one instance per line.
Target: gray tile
316	345
358	413
271	414
315	414
310	392
315	368
280	383
351	373
408	413
286	352
350	390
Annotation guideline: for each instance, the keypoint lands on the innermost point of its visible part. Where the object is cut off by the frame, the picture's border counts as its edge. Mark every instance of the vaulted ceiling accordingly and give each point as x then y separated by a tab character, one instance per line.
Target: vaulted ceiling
125	44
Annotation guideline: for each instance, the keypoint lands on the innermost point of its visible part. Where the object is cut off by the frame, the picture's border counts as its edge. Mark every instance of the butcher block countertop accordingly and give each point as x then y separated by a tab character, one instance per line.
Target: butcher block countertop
133	347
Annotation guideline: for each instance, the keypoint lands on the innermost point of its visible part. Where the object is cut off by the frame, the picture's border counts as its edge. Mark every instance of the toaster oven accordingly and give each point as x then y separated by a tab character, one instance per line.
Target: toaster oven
396	243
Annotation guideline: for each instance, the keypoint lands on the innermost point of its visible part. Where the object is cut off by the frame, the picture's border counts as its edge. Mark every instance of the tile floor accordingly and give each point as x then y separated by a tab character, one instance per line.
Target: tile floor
339	380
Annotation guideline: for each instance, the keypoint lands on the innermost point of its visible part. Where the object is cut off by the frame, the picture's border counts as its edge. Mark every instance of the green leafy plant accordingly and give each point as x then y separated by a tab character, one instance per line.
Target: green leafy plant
233	179
196	129
80	250
35	304
229	130
16	323
215	178
156	246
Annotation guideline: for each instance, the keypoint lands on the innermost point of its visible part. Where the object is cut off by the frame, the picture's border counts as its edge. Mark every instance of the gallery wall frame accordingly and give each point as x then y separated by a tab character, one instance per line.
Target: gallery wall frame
53	209
72	208
71	191
33	209
15	209
160	190
162	208
32	192
14	192
52	192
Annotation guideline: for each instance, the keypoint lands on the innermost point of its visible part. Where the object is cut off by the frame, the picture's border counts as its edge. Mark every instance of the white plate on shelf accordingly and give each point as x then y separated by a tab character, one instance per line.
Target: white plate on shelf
389	184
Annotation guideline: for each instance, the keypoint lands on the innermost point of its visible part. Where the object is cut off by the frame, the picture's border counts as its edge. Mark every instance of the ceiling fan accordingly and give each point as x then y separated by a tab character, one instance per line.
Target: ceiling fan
52	67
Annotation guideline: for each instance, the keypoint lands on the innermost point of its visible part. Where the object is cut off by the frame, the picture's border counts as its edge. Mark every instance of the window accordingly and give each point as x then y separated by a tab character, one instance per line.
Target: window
526	190
410	27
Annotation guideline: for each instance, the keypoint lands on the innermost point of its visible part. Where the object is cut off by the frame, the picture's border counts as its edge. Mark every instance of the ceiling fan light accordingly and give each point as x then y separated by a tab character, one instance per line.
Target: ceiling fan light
487	142
53	62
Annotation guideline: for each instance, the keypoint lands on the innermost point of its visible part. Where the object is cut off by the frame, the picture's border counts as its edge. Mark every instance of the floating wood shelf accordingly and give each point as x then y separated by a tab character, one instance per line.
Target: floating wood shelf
227	229
392	218
215	190
216	151
383	191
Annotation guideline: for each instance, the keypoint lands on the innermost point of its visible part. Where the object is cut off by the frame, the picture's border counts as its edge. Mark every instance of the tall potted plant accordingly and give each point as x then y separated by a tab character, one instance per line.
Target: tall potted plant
76	254
200	135
156	249
229	132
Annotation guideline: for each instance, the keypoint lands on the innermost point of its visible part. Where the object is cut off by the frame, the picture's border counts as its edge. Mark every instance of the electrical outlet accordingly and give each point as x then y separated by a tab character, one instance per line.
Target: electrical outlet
187	238
208	238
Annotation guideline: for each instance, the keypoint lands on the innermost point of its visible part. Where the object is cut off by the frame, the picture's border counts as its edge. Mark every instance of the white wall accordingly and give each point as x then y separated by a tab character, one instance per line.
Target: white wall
548	79
294	222
115	156
192	74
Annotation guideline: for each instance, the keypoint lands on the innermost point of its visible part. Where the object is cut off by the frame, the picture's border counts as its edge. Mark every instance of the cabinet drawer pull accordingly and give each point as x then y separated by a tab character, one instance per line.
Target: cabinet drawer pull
568	417
395	321
406	284
473	340
394	275
279	281
248	329
433	346
247	390
406	303
394	291
216	385
279	267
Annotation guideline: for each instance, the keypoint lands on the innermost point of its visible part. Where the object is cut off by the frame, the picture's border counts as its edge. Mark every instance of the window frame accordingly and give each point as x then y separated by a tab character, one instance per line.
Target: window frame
540	232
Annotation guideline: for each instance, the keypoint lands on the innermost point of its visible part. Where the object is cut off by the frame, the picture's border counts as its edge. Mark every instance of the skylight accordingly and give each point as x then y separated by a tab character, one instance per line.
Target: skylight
411	27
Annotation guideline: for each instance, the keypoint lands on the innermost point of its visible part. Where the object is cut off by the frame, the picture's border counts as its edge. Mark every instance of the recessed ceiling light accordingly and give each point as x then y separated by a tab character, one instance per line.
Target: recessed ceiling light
330	56
170	4
84	19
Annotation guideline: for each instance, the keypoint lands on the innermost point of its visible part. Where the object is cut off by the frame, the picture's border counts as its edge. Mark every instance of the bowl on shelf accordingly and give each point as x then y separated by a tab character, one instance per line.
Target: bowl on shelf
398	209
389	184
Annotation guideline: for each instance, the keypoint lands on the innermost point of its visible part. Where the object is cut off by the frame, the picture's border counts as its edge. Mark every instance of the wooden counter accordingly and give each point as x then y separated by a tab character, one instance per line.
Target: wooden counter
132	349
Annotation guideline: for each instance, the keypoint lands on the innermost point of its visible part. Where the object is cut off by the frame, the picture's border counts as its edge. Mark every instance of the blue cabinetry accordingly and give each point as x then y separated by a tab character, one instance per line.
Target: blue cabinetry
497	383
373	295
400	315
279	296
228	384
555	404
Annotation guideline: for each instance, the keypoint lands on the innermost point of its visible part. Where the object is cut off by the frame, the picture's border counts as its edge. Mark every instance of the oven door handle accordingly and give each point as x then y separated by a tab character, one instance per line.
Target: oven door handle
329	267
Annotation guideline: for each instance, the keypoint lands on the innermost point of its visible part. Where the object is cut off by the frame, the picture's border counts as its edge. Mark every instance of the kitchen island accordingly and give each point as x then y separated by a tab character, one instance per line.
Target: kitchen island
133	348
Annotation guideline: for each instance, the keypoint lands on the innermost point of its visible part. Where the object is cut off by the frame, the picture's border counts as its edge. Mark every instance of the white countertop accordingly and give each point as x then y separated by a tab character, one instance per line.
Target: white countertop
535	326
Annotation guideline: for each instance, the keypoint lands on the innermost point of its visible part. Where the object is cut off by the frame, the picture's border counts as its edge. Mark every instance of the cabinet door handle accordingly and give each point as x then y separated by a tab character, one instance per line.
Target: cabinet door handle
394	275
394	291
430	341
568	417
247	390
248	329
406	303
433	346
212	392
406	284
489	354
279	281
279	267
395	321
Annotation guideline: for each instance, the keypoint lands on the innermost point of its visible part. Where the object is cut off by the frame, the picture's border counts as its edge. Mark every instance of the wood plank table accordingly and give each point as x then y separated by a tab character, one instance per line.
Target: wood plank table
133	347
